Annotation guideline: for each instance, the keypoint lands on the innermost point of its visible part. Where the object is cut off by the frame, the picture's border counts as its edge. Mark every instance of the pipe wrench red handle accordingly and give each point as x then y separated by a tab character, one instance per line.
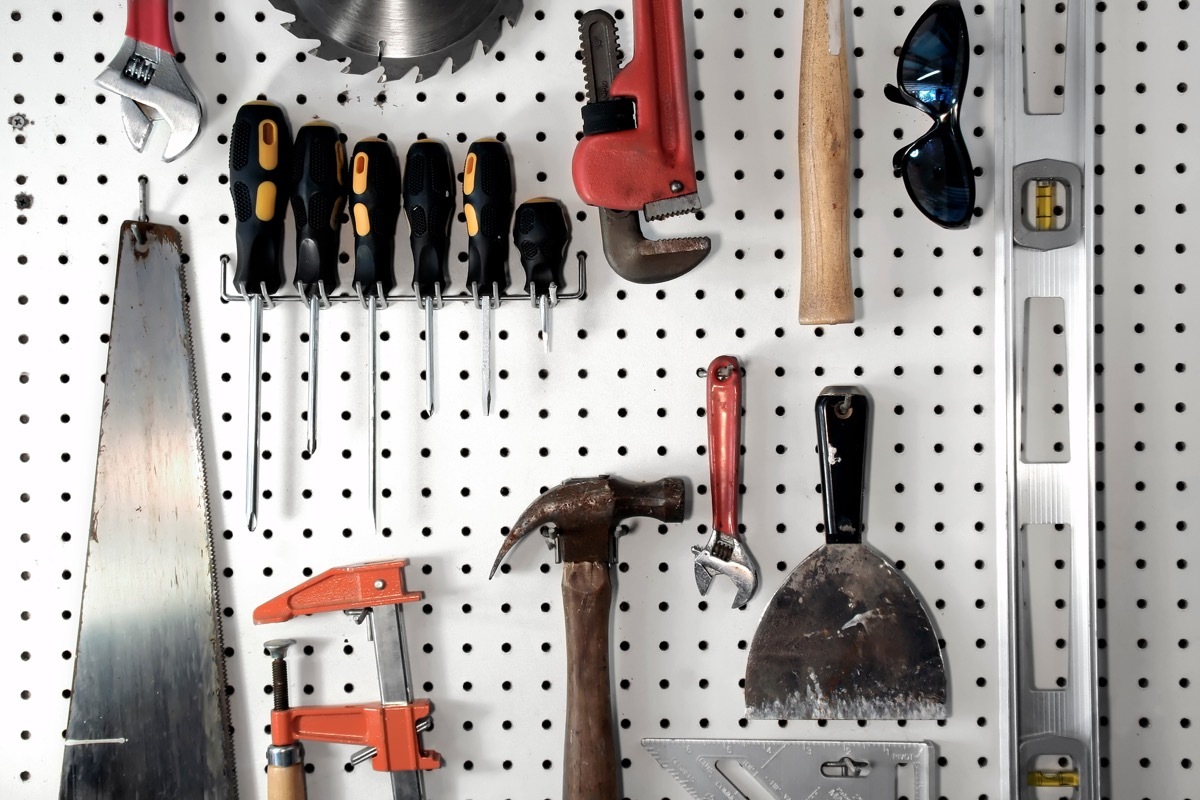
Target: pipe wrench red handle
149	21
635	168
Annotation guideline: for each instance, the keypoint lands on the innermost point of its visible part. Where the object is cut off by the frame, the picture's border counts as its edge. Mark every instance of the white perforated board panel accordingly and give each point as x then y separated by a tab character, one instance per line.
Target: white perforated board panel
618	394
1146	395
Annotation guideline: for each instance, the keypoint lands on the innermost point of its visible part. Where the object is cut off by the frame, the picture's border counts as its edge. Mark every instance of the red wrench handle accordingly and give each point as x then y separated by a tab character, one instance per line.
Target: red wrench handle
149	21
725	440
626	170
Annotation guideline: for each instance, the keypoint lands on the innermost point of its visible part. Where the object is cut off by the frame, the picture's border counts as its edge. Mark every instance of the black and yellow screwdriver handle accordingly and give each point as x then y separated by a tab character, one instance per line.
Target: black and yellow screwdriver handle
429	205
260	154
541	233
318	198
488	208
375	198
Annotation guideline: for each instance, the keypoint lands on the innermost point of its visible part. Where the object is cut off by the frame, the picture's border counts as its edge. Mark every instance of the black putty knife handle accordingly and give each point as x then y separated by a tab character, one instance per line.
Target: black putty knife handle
843	428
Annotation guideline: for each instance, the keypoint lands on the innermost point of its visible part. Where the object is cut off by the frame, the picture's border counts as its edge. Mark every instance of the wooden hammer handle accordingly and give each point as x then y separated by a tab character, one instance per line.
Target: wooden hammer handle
285	783
826	296
590	755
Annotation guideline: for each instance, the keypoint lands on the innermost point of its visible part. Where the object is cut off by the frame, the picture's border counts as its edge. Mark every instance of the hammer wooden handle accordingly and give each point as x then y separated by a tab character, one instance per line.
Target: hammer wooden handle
590	757
826	296
285	783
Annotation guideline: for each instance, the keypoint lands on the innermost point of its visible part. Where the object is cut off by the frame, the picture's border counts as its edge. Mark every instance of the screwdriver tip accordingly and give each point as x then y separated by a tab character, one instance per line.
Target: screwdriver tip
252	521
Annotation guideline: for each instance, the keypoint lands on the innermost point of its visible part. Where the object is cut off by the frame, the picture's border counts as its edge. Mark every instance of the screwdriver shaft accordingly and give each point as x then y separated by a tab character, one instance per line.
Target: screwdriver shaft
544	310
485	327
314	307
373	335
427	302
253	410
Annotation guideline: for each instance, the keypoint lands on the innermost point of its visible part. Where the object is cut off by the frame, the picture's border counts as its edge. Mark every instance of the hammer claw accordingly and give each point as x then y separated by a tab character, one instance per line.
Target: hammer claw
586	513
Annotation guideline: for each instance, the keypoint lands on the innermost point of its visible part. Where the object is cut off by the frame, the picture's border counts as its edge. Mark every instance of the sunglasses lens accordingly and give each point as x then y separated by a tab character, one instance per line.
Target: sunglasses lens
934	59
937	172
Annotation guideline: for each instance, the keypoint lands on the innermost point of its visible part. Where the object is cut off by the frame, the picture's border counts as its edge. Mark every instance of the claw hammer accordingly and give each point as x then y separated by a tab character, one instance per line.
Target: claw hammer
587	514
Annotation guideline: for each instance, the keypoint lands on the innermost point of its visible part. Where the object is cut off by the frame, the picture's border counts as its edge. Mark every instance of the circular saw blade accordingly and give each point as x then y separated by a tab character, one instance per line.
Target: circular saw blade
399	34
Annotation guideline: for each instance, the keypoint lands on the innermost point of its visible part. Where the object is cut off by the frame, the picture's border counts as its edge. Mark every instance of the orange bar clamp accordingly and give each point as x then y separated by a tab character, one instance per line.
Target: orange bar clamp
392	728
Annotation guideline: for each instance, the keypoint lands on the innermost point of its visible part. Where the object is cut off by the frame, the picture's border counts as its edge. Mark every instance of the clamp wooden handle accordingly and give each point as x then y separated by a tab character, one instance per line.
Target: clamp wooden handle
826	295
590	754
285	783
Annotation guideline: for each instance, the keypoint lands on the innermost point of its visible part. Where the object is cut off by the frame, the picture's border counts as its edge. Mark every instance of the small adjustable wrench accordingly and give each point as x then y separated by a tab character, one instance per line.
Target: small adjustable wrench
725	553
148	79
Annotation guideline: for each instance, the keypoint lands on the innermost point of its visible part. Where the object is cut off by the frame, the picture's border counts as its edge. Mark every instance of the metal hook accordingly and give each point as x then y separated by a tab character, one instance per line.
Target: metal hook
844	409
143	216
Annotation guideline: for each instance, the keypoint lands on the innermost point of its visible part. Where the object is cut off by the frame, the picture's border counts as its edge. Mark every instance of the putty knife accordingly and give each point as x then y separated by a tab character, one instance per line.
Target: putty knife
845	637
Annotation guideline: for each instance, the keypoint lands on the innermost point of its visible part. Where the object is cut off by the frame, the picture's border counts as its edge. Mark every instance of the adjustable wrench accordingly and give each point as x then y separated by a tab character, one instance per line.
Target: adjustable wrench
725	553
636	151
148	79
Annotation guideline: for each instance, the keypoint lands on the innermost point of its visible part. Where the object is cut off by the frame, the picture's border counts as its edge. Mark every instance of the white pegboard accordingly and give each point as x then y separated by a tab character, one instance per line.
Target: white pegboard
618	394
1146	409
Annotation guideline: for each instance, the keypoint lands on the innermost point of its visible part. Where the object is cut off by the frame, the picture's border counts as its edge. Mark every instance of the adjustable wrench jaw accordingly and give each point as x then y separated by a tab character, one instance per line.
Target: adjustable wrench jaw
152	87
725	555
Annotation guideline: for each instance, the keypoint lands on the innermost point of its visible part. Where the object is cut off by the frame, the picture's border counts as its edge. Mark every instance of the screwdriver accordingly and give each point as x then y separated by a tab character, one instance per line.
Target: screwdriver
429	206
488	207
259	156
374	209
318	197
541	234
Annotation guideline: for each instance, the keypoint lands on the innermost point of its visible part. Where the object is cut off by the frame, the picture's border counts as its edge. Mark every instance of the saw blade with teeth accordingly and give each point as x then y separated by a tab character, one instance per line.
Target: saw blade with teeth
401	34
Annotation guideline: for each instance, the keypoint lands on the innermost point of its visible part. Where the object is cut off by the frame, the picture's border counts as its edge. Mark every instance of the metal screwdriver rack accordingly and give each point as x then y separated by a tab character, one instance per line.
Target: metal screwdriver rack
617	394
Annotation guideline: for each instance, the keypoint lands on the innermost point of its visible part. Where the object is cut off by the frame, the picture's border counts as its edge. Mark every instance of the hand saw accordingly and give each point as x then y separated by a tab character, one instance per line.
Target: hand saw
149	716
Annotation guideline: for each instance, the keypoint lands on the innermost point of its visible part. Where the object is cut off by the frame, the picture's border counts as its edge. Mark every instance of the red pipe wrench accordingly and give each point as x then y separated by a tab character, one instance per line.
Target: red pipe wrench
636	152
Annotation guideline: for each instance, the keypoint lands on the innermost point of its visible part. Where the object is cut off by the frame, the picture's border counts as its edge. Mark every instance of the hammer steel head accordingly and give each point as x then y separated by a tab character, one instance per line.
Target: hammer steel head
587	511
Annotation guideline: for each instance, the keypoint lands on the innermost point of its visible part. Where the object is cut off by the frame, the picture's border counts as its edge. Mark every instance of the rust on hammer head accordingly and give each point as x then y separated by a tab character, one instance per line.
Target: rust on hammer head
585	513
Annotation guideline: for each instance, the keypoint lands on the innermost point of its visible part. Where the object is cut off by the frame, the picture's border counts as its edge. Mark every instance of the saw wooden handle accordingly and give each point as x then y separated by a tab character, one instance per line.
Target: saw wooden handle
826	296
590	754
285	783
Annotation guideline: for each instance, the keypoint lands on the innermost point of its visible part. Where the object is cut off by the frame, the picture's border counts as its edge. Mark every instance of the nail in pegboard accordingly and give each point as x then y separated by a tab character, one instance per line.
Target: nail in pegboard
618	393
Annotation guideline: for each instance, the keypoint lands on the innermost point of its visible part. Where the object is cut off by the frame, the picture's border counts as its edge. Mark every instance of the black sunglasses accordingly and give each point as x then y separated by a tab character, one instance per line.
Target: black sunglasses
933	78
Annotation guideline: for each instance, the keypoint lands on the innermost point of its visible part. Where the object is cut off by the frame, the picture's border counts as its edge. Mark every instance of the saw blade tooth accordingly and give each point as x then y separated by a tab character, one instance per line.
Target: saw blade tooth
396	68
462	53
511	11
287	7
301	29
353	62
